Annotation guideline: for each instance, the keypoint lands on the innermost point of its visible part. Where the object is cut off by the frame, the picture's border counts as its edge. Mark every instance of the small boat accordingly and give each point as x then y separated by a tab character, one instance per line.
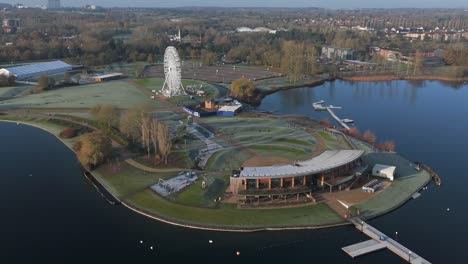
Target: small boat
346	120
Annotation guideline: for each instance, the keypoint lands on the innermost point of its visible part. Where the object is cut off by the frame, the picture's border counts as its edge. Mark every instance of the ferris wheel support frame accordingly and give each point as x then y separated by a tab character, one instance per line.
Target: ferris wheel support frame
172	85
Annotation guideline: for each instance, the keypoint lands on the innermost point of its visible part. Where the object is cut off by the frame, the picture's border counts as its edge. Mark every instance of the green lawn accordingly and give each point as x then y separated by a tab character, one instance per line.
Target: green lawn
227	159
118	93
124	180
332	143
231	216
407	182
257	136
8	92
194	195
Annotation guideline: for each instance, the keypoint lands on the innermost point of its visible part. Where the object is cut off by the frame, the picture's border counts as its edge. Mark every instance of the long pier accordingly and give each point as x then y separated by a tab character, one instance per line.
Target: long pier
343	124
379	241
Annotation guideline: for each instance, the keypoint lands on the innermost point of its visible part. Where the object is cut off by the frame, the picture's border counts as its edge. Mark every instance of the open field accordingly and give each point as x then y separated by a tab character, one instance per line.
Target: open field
118	93
9	92
216	74
124	180
194	195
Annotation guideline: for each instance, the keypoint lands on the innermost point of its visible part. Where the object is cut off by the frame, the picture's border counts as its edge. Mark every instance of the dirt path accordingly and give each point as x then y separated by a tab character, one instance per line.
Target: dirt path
149	169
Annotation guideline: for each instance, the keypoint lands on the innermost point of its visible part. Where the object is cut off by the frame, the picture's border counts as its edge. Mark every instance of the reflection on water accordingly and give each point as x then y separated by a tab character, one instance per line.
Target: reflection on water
428	120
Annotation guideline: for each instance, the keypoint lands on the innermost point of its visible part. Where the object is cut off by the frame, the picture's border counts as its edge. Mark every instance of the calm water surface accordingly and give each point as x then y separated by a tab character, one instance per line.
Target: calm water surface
50	212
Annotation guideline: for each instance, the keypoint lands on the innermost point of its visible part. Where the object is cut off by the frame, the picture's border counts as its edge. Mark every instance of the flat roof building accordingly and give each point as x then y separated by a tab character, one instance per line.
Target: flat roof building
34	71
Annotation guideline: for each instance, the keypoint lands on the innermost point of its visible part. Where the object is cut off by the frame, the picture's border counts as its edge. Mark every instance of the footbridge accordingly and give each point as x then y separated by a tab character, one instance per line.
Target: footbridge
379	241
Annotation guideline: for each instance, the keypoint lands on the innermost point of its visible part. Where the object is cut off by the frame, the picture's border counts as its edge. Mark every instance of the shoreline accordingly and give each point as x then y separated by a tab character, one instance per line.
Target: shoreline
393	77
257	99
201	226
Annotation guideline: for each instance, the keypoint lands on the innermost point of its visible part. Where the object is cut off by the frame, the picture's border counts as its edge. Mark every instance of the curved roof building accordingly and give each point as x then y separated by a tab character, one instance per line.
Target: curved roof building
33	71
326	161
333	170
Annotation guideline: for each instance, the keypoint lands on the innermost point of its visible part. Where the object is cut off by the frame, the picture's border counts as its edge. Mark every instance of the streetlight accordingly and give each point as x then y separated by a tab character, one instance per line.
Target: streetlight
396	235
409	257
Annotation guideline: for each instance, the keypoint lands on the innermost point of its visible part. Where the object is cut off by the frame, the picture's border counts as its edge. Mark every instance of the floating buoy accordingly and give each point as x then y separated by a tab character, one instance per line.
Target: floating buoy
210	241
448	209
141	241
238	253
30	175
151	247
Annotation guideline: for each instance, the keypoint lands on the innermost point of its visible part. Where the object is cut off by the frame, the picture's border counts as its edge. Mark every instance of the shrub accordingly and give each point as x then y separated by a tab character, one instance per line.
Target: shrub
68	133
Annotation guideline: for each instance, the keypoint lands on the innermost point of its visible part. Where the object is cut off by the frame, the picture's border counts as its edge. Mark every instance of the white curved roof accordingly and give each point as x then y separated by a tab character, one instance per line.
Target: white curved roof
244	29
325	161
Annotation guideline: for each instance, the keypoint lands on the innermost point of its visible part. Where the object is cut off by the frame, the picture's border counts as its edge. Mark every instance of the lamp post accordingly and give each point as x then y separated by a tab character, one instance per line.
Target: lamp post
409	257
396	235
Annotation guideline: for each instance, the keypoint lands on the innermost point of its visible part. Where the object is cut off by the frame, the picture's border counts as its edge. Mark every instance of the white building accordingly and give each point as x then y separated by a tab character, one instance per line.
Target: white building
34	71
384	171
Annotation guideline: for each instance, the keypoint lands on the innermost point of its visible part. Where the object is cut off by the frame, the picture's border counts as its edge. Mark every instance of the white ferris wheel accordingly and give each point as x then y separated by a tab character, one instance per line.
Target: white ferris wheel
172	71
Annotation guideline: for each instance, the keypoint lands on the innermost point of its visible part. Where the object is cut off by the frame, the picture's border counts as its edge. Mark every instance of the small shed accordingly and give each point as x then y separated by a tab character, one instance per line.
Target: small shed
384	171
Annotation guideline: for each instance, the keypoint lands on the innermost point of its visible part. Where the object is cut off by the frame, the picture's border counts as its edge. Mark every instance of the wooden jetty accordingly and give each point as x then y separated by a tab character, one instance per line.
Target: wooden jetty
379	241
435	176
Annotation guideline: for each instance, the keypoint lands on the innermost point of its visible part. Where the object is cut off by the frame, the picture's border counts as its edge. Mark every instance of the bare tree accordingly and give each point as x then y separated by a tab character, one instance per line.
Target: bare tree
146	134
389	145
354	132
154	135
131	122
164	141
370	137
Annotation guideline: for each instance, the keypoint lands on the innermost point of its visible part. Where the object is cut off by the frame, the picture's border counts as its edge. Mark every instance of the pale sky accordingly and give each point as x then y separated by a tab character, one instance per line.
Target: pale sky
259	3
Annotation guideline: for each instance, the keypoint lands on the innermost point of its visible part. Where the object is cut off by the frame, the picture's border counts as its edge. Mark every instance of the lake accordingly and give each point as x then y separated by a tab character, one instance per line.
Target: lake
51	212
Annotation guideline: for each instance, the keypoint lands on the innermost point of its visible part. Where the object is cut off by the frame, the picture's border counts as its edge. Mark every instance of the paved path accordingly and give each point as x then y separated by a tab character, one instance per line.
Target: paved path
140	166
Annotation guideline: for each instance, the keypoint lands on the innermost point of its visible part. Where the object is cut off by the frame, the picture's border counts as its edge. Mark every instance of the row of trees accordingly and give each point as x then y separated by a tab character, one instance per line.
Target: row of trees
139	126
457	54
371	138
